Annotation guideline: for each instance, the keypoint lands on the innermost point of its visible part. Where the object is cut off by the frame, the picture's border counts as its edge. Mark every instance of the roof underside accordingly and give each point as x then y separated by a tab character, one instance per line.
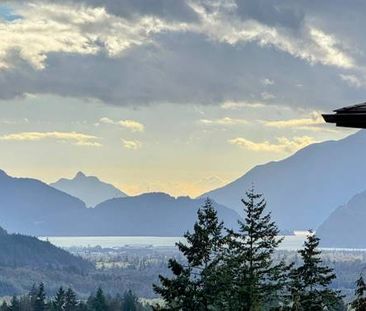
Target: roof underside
350	116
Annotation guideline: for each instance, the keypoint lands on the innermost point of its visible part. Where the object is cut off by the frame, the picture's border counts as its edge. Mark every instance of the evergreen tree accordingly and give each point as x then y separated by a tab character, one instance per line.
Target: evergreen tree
70	300
115	303
129	301
82	306
99	302
359	303
58	303
14	304
194	286
311	280
254	280
33	295
4	306
25	302
40	300
295	288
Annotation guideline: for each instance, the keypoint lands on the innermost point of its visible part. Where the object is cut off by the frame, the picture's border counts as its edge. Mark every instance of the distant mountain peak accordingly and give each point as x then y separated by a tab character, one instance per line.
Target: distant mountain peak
79	175
89	189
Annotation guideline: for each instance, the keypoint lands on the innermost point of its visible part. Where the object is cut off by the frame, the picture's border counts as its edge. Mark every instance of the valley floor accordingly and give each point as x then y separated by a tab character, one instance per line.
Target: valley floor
140	266
136	266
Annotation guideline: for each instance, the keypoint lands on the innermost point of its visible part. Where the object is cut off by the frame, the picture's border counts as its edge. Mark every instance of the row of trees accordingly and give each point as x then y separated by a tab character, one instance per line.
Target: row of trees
228	269
67	300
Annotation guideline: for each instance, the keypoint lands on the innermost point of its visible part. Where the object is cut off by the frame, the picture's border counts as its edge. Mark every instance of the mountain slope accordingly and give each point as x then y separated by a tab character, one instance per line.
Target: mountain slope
345	227
32	207
25	251
303	189
154	214
25	260
88	189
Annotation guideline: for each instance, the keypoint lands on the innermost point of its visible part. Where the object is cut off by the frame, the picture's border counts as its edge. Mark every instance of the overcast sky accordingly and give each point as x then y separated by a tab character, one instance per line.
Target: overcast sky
174	96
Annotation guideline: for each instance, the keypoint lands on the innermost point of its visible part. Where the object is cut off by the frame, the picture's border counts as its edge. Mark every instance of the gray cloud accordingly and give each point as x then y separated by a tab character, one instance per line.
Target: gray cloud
204	52
167	9
148	75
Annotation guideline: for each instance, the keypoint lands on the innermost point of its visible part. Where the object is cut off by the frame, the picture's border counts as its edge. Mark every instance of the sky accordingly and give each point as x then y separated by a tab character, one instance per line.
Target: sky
174	96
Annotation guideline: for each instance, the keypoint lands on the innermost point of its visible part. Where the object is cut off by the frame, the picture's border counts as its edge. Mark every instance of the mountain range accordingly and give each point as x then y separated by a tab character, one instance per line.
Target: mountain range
302	192
305	188
32	207
89	189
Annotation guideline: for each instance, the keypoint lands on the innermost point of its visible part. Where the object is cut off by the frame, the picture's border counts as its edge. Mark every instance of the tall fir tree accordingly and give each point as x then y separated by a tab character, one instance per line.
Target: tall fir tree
26	302
14	304
82	306
99	302
129	301
4	306
359	303
193	286
311	280
40	300
254	280
71	302
58	303
33	295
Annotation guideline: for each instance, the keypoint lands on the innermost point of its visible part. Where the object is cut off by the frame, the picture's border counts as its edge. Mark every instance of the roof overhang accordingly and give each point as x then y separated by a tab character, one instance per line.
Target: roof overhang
351	116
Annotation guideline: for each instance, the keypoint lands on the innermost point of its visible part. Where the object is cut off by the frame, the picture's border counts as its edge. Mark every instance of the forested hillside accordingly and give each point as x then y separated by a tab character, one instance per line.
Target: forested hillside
25	251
